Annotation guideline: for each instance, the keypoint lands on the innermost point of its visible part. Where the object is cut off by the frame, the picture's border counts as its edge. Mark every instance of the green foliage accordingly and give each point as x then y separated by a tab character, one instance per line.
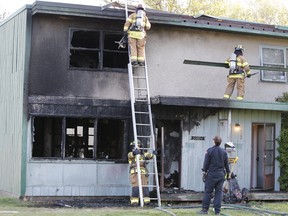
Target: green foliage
283	146
283	98
283	159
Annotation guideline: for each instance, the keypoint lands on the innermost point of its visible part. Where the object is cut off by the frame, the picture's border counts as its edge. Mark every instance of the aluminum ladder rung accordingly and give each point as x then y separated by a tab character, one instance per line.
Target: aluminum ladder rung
139	124
139	77
143	89
140	99
153	198
143	136
149	186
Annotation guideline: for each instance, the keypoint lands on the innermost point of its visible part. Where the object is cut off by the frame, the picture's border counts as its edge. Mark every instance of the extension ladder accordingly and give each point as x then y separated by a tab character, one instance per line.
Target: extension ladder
142	123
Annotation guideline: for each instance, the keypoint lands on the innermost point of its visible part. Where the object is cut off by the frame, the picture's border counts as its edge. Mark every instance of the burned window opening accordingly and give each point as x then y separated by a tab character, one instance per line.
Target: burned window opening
110	139
84	59
85	39
47	137
84	138
79	138
86	51
112	56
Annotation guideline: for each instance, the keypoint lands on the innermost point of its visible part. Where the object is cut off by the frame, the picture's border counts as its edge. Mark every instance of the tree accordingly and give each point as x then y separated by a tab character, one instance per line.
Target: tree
283	146
283	98
283	159
261	11
3	15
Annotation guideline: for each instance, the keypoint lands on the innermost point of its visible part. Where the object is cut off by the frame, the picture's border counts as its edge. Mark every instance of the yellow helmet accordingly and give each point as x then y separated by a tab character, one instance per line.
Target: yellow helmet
240	48
139	143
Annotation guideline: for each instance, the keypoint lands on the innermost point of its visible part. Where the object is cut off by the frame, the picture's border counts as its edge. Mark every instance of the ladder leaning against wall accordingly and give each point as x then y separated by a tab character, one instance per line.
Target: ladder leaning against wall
142	124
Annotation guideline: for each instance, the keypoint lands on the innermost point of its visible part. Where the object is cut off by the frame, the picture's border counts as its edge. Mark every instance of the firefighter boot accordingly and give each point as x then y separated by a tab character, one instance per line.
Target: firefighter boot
142	64
134	201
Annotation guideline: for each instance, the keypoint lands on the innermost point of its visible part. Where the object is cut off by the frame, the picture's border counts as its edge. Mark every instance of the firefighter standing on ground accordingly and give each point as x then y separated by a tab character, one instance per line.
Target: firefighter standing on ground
215	164
135	26
239	69
143	156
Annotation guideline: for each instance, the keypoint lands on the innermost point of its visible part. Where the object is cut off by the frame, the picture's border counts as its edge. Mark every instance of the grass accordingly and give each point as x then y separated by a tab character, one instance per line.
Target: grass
13	206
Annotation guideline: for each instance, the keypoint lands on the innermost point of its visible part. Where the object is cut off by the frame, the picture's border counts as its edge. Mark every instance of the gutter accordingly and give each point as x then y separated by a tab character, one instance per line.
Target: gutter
218	103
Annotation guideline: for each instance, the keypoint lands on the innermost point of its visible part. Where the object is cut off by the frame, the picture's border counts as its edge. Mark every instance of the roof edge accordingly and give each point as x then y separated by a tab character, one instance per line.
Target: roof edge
218	103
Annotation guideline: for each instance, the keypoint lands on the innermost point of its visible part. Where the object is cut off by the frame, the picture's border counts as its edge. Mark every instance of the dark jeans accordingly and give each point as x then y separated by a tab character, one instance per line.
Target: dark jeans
213	181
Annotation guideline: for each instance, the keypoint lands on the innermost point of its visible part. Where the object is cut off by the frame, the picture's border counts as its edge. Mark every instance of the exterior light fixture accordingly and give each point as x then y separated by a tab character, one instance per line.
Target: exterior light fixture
237	126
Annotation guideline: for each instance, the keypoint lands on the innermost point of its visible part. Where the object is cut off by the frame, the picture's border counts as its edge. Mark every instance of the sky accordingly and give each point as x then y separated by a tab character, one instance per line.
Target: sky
11	6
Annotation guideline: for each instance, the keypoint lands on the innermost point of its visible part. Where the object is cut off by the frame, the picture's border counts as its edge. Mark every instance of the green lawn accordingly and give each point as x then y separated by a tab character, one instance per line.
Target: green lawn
11	206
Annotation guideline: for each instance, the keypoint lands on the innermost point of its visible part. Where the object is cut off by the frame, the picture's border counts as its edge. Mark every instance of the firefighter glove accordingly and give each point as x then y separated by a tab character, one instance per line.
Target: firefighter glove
136	151
226	65
154	152
248	75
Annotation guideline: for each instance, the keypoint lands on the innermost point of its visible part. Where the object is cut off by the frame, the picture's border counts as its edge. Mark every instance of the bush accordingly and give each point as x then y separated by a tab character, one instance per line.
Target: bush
283	159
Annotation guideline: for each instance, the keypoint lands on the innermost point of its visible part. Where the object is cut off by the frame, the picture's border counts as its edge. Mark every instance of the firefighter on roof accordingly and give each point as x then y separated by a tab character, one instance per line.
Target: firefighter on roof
238	71
143	157
136	25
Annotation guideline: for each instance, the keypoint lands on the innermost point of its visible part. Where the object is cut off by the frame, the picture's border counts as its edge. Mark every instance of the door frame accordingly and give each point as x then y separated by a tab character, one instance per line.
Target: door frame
263	156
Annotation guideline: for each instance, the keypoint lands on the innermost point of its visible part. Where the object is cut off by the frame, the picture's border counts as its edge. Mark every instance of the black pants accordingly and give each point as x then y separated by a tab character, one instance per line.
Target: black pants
213	181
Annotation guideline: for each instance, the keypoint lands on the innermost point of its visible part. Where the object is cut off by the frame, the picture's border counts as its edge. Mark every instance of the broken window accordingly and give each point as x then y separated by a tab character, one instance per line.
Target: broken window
112	56
47	137
79	138
110	139
84	138
84	49
96	50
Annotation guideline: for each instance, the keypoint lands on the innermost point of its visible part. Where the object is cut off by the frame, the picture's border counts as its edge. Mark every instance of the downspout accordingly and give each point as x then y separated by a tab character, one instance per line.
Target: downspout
229	135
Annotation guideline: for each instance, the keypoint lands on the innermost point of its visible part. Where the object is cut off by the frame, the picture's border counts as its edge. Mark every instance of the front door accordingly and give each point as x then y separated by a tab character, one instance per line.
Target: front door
263	151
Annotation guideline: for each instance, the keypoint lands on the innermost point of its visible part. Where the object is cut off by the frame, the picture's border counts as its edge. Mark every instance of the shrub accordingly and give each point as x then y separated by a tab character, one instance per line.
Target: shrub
283	159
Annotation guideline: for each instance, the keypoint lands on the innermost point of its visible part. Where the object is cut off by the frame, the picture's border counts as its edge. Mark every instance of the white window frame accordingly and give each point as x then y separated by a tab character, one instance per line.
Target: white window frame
279	76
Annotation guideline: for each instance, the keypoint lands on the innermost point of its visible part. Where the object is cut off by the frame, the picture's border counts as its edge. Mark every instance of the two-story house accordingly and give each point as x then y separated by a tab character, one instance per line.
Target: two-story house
65	104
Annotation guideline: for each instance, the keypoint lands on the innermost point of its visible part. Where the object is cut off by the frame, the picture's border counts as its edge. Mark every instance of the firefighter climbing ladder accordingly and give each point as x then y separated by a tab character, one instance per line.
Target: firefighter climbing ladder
143	124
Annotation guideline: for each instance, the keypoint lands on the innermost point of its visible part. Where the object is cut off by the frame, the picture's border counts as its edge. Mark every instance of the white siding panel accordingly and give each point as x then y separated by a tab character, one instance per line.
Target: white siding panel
12	62
193	151
77	178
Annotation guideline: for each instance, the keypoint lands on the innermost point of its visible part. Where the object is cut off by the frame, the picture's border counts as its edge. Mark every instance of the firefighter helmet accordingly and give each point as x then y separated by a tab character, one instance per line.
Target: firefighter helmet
140	7
239	48
139	143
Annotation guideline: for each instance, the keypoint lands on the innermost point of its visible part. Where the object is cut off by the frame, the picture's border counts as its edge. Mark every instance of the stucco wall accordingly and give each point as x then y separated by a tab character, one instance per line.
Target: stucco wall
49	69
167	47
